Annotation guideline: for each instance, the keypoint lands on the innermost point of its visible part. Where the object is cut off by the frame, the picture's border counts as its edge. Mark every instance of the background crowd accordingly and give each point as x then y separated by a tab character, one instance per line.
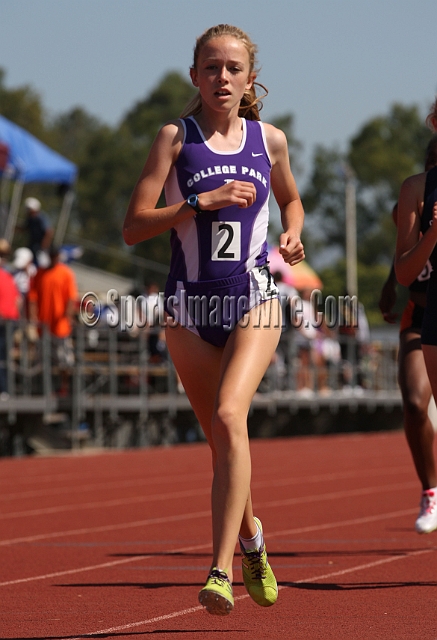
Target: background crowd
39	288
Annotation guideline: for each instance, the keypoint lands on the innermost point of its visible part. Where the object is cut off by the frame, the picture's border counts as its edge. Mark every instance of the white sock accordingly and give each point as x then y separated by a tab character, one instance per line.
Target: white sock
253	543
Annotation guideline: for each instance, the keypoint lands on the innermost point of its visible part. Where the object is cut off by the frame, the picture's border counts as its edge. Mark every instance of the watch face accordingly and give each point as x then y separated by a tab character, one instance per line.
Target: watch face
193	201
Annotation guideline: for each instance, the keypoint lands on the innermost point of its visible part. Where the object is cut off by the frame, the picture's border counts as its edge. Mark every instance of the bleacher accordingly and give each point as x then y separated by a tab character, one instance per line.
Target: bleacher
118	395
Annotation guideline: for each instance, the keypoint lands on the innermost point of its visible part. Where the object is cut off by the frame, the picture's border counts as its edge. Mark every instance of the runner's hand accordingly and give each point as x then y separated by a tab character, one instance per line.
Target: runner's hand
291	248
237	192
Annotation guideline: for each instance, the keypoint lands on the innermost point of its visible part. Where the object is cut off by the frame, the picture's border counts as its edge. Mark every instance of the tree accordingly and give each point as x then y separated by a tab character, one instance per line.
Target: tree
164	103
24	107
72	132
142	123
285	122
389	148
325	191
382	154
110	161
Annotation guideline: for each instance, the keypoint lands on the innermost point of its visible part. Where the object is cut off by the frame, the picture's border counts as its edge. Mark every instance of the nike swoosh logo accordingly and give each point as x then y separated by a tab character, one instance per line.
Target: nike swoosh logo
255	155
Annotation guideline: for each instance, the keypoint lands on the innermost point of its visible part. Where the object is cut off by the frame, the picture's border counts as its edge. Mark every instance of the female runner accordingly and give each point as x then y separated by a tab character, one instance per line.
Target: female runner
217	164
415	246
413	377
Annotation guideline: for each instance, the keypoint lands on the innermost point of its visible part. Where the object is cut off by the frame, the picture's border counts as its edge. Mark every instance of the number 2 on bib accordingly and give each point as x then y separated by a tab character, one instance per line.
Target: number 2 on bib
226	241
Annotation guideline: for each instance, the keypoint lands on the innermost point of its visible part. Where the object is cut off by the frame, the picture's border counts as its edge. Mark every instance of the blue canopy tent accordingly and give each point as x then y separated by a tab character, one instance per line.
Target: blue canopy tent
30	160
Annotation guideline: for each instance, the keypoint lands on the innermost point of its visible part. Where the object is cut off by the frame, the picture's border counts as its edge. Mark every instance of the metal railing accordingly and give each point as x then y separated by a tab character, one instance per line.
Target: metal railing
88	386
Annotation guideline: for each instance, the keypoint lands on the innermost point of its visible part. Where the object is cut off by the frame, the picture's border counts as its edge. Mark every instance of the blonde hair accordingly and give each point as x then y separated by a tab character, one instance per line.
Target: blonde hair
432	115
250	104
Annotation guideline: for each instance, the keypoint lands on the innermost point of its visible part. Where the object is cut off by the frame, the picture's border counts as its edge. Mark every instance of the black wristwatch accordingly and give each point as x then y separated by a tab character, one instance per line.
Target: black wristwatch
193	201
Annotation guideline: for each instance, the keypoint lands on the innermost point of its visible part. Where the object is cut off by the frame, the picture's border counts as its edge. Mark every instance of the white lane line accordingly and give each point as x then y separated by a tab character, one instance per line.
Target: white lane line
131	625
56	574
327	477
106	503
199	492
103	565
322	527
344	523
106	485
277	503
108	527
185	612
360	567
334	495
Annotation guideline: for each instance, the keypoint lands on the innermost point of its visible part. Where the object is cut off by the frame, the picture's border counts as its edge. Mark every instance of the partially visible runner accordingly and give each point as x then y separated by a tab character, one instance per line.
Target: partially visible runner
413	377
217	164
415	265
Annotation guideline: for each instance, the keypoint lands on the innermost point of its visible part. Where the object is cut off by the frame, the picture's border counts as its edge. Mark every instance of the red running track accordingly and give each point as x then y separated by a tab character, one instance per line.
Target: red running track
117	544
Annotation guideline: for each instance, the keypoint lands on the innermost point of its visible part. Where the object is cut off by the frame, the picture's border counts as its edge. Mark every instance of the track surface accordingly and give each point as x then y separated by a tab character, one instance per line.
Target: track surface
117	544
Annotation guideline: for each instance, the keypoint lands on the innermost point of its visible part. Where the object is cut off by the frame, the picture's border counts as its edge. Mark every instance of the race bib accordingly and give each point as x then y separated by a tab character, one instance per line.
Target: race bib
226	241
425	274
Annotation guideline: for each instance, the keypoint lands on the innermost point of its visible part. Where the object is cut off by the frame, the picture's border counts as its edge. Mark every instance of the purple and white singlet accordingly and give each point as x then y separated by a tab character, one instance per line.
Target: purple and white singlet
220	249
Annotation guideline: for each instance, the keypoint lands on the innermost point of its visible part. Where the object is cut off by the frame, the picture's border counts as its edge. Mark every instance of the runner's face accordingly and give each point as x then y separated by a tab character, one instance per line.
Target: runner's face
222	73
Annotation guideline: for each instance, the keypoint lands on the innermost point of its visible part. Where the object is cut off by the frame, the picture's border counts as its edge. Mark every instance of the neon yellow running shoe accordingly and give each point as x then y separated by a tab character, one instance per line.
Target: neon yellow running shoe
216	596
259	579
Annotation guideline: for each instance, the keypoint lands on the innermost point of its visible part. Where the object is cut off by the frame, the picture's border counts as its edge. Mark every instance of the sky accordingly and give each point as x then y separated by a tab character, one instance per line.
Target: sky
333	64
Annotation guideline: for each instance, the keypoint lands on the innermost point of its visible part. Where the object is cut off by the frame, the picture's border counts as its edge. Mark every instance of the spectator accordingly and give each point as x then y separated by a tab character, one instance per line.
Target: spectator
287	293
155	312
281	358
9	310
328	356
39	231
23	272
52	299
304	320
354	337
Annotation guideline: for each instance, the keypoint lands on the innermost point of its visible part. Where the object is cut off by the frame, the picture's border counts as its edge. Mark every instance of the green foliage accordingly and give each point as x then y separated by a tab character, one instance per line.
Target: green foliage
378	245
326	184
142	123
334	278
381	155
370	282
72	131
286	124
389	148
24	107
384	151
165	103
324	199
109	161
